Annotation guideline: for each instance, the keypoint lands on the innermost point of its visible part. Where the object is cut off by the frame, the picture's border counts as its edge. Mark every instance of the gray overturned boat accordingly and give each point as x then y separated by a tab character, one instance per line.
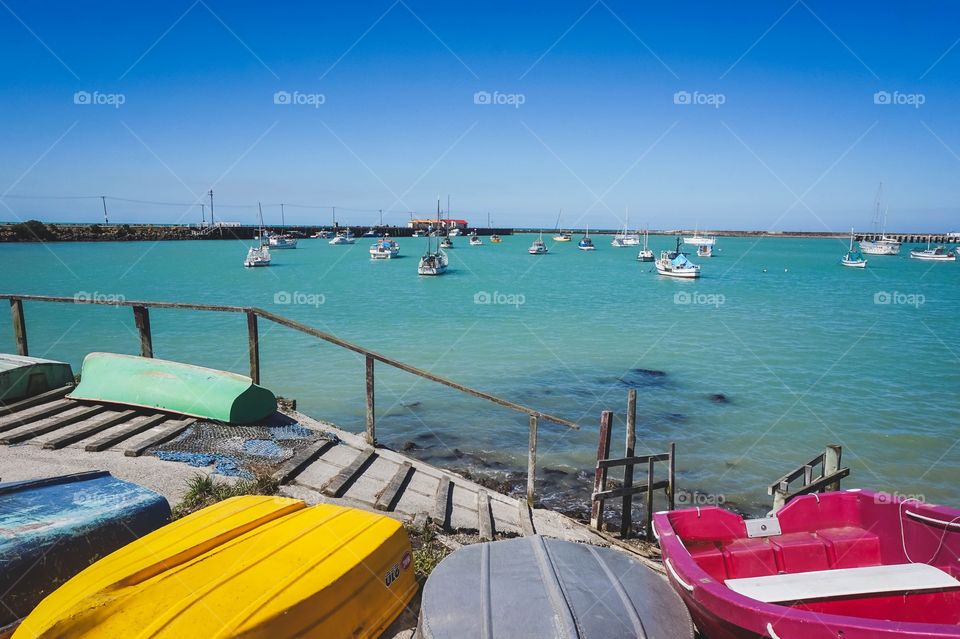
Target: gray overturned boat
536	587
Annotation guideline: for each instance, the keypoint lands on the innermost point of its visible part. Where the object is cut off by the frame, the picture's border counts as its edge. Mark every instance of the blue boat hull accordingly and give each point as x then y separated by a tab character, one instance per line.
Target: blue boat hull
51	529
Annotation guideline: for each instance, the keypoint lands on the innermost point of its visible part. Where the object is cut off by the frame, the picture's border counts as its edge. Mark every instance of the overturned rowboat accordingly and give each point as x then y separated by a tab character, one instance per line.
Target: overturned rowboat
252	567
853	564
52	528
536	587
174	387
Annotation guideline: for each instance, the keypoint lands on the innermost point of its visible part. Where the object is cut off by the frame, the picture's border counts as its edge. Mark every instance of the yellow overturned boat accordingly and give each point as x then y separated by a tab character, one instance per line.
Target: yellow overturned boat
251	567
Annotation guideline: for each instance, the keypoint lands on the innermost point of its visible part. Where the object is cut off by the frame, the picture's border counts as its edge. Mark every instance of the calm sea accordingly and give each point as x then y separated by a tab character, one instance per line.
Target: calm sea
773	353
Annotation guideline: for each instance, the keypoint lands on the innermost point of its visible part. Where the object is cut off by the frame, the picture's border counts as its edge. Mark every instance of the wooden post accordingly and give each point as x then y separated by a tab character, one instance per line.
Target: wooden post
672	470
831	464
253	346
649	522
626	514
371	434
600	479
532	461
19	326
141	317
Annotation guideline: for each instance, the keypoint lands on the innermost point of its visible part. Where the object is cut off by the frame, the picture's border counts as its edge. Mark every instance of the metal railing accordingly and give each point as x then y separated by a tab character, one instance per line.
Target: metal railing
141	317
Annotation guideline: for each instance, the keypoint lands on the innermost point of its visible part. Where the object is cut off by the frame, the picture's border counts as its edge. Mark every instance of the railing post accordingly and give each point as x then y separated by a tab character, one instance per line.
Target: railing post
532	461
253	345
141	317
649	522
671	492
626	513
19	326
831	464
371	434
600	479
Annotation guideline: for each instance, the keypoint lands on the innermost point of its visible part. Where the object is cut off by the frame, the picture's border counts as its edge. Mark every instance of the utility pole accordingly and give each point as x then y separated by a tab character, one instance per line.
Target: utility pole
103	198
203	214
334	217
381	217
211	207
283	222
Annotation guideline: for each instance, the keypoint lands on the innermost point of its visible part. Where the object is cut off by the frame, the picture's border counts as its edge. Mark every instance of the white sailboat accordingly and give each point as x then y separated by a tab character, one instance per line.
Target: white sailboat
645	254
585	243
624	238
883	245
853	258
561	236
538	247
283	240
258	255
704	244
433	262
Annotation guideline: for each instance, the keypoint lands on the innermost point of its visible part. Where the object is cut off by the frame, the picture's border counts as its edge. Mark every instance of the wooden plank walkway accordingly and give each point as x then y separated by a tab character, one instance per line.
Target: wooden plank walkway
343	469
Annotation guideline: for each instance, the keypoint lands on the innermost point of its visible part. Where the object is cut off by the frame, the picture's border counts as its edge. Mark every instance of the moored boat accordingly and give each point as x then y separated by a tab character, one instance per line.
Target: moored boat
935	254
675	264
495	239
881	245
259	255
475	241
446	242
645	254
343	238
853	258
252	566
53	528
384	249
561	236
624	237
704	244
853	564
282	242
586	242
538	247
159	384
22	376
536	587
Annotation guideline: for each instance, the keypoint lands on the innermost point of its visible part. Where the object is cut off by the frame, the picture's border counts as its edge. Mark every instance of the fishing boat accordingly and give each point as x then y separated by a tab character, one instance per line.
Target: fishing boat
853	258
475	241
675	264
935	254
561	236
586	243
881	245
854	564
624	238
251	566
259	255
495	239
645	254
22	377
147	382
371	233
282	242
343	238
704	244
433	262
322	235
53	528
384	249
538	247
536	587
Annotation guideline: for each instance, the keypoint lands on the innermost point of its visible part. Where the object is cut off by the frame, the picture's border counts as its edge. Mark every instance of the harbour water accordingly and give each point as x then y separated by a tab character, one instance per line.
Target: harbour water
751	370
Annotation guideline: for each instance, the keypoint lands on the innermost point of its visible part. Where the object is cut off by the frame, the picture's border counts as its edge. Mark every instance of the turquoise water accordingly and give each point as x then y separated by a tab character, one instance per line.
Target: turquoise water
801	351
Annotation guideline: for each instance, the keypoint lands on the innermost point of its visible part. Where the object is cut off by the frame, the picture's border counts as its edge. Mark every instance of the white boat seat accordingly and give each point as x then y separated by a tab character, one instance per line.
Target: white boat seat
842	582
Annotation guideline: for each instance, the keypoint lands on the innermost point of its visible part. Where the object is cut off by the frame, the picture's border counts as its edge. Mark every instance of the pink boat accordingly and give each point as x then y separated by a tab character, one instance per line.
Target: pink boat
853	564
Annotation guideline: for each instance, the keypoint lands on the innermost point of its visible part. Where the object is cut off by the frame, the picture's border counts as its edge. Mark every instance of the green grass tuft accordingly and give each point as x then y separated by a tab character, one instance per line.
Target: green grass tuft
204	490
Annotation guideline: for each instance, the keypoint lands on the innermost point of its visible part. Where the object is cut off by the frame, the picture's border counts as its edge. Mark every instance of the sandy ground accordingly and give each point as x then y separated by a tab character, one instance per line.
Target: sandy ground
165	477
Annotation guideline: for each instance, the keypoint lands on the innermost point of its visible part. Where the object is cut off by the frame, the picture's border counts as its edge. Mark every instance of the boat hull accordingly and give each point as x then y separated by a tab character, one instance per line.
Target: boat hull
252	567
22	377
684	274
824	543
174	387
854	263
53	528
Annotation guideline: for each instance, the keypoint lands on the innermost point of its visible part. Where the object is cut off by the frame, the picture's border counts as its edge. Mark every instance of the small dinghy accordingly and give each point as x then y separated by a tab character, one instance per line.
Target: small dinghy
22	377
52	528
173	387
252	567
541	588
853	564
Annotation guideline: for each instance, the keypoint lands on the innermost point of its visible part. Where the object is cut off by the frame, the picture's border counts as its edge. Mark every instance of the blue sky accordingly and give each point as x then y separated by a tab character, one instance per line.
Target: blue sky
782	130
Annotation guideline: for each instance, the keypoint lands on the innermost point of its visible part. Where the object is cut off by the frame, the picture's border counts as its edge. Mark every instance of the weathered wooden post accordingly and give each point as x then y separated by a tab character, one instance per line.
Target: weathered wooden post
253	345
532	461
672	470
649	521
600	479
19	326
141	317
831	464
626	515
371	434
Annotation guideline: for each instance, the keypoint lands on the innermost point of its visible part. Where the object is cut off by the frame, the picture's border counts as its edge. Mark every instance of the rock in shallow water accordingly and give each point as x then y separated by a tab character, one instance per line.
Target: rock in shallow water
719	398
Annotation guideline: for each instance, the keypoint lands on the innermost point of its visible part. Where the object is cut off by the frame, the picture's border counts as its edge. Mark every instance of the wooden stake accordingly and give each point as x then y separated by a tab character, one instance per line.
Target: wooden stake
371	435
141	317
19	326
253	346
626	515
649	522
600	478
532	461
672	465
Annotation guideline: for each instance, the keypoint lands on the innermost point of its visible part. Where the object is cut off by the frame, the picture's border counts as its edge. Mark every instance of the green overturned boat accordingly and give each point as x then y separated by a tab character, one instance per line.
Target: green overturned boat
173	387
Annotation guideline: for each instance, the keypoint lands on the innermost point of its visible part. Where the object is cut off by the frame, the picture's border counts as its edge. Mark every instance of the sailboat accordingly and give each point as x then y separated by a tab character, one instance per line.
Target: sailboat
259	255
704	244
883	245
475	240
625	238
675	264
433	262
853	258
538	247
585	243
283	240
645	254
561	236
